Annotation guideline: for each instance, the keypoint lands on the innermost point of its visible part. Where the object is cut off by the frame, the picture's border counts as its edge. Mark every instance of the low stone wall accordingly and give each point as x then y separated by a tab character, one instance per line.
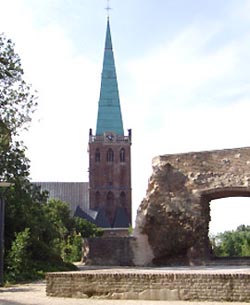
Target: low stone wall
115	232
109	251
150	286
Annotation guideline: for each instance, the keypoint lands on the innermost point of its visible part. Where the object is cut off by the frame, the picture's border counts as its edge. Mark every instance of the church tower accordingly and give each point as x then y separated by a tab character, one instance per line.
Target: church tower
109	152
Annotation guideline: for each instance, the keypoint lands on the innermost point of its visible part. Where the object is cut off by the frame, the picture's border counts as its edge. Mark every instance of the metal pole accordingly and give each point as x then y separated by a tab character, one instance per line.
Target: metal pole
2	203
3	186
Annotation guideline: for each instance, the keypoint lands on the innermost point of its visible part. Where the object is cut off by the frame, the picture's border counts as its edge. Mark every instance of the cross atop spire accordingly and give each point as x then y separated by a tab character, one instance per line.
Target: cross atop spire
108	8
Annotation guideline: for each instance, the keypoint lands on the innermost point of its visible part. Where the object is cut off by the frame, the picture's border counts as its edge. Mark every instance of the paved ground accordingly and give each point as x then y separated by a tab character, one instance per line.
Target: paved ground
34	294
184	269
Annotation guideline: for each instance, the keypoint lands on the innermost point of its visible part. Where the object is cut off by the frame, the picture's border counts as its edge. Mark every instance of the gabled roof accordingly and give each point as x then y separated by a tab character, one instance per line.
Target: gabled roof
96	217
121	218
109	110
101	219
82	214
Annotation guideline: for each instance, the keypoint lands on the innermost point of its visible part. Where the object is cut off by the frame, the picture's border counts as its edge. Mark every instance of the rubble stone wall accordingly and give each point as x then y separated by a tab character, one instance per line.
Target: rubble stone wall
174	216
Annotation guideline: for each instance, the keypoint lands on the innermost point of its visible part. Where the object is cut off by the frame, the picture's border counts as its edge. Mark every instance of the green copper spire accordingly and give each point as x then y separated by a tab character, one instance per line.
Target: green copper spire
109	111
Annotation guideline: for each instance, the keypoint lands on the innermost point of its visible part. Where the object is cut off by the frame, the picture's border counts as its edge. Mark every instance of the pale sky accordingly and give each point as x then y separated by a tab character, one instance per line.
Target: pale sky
183	70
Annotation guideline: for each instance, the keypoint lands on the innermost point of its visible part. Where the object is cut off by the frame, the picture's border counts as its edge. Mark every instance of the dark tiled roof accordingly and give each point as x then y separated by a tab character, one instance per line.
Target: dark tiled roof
85	215
101	219
121	219
96	217
73	193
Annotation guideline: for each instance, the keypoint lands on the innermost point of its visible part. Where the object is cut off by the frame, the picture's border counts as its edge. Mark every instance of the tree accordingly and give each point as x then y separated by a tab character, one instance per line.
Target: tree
55	237
232	243
36	231
17	103
4	137
66	232
18	256
16	99
24	208
86	228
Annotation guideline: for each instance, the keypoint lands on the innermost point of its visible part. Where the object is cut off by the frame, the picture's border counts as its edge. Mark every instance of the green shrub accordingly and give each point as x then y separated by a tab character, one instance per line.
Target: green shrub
72	249
232	243
18	257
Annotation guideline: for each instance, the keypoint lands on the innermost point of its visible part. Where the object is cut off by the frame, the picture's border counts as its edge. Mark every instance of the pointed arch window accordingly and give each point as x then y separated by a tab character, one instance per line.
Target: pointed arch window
110	198
97	155
122	155
110	207
123	199
97	200
110	155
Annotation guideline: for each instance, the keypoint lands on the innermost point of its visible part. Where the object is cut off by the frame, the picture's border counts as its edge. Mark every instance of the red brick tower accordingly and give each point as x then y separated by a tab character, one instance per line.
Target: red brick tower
109	152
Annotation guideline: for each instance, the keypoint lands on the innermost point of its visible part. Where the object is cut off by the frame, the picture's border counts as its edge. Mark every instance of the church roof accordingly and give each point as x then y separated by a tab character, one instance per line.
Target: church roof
76	195
109	110
121	218
101	219
73	193
90	215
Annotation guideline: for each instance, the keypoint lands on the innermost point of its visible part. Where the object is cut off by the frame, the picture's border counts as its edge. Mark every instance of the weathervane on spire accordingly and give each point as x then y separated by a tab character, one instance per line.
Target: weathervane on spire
108	8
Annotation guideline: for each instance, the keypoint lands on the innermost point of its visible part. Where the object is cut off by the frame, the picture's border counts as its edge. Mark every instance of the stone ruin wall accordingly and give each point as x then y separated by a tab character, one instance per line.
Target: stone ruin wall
172	221
175	214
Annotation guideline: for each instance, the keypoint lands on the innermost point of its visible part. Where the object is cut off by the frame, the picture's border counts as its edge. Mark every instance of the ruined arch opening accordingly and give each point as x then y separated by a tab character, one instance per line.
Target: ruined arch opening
228	222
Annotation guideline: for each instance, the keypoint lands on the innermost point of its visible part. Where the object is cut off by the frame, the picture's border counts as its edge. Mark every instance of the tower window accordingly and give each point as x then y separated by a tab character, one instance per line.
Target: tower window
110	198
122	155
110	207
110	155
123	199
97	200
97	155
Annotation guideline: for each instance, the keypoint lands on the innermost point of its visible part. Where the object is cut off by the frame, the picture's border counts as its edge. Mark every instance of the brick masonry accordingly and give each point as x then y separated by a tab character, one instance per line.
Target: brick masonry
110	179
150	285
